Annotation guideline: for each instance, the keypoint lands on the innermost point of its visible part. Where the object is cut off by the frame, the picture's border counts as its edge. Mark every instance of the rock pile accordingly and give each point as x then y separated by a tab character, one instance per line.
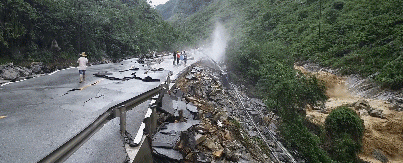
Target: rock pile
363	108
12	73
210	124
397	104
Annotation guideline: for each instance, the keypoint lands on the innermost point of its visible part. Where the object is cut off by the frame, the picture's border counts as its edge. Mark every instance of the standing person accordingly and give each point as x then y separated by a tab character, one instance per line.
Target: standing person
174	53
178	56
82	66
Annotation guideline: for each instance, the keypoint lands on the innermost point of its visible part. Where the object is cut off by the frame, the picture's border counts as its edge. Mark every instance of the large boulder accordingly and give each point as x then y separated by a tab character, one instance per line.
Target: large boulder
376	113
362	104
10	73
396	104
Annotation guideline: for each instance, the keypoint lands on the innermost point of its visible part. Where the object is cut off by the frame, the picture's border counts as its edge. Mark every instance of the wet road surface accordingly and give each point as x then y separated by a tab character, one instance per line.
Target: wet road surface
40	114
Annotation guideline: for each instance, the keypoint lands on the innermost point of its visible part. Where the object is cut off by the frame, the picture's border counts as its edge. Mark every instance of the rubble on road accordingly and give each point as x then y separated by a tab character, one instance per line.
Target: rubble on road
128	74
217	130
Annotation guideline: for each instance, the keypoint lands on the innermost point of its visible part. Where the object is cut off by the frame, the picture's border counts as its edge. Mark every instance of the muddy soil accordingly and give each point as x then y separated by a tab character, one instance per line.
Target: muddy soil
382	135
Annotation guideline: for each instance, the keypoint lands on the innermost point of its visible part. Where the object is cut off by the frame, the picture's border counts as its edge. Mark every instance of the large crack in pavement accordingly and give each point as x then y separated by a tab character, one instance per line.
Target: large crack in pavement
98	95
81	88
129	74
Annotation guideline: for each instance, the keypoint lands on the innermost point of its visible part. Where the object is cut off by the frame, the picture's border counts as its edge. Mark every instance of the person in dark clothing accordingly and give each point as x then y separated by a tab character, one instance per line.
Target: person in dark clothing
174	53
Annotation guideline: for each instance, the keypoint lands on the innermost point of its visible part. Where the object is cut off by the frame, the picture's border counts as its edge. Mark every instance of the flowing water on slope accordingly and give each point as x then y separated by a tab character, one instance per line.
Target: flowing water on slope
385	135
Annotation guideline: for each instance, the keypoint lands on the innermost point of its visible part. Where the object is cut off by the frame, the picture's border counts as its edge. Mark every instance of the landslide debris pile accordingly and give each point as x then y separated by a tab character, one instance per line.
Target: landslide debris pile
202	121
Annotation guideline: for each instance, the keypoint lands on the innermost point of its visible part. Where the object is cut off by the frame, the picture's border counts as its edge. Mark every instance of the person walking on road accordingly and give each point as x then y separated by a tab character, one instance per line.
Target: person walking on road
82	66
178	56
174	53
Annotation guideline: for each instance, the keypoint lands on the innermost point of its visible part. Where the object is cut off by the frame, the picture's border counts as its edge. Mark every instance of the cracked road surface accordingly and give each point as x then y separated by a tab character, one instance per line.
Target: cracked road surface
40	114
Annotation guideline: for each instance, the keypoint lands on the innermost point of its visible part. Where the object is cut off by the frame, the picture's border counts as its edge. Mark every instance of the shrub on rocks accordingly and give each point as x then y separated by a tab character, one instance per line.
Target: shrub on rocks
344	131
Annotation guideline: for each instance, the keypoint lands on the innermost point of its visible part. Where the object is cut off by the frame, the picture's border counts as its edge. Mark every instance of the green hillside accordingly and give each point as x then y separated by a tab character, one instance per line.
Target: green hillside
358	37
101	28
268	36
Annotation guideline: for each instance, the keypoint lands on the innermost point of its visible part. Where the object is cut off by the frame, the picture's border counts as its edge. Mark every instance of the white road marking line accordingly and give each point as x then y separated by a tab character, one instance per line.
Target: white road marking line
139	134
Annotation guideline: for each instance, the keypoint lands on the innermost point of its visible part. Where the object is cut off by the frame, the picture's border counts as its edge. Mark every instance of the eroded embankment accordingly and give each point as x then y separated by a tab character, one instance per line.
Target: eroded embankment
383	123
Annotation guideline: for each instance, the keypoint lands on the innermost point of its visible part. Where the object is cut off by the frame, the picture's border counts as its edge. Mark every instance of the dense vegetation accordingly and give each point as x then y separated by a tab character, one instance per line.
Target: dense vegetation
102	28
178	9
268	36
358	37
344	132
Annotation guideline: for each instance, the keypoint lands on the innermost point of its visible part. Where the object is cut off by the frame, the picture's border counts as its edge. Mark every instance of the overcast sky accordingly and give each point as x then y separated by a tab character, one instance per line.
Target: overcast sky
157	2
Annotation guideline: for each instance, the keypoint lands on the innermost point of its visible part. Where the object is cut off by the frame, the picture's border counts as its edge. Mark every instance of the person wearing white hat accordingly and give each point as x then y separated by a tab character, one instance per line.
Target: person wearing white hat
82	66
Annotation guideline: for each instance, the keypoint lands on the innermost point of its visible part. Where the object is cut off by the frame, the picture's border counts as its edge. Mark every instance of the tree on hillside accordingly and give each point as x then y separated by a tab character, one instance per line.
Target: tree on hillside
110	29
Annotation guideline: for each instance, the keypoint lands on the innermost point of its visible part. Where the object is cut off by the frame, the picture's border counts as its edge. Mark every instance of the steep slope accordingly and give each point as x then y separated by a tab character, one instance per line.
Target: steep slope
266	38
359	37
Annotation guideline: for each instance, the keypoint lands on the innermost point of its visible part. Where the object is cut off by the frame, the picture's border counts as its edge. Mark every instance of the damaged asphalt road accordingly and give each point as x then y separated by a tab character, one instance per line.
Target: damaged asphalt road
40	114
